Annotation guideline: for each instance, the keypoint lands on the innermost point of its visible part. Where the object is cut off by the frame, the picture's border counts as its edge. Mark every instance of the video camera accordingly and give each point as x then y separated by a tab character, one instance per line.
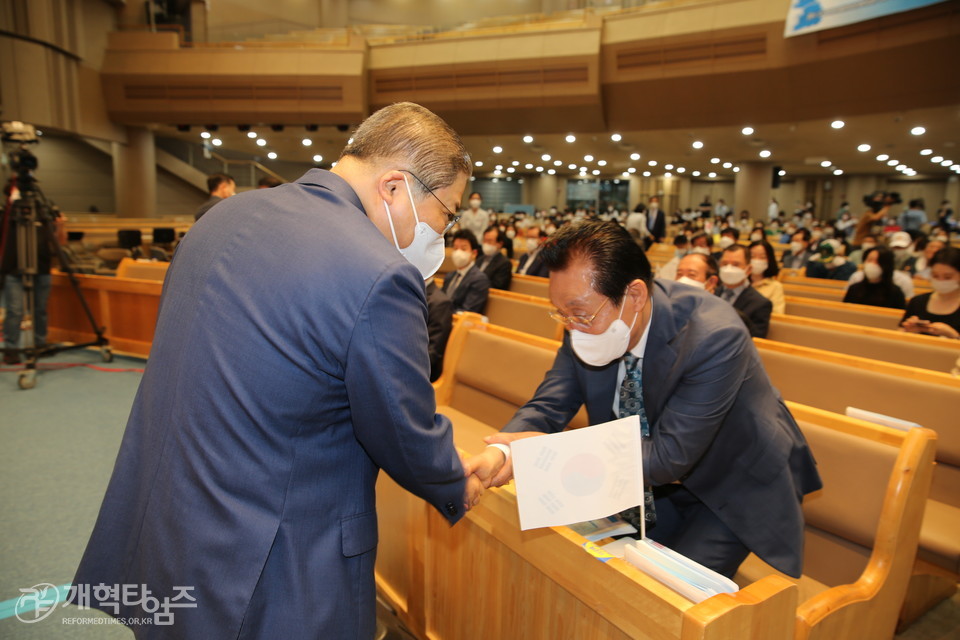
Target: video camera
880	199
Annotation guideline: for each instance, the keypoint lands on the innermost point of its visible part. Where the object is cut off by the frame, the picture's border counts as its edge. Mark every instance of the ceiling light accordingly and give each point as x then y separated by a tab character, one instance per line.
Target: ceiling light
926	152
216	142
545	157
616	137
864	147
557	163
946	163
736	169
646	174
551	171
632	170
837	124
892	163
540	169
695	174
515	163
652	163
571	138
681	169
825	163
510	169
496	172
711	175
918	131
528	166
204	134
478	163
668	167
261	142
696	144
901	167
601	163
838	172
716	160
528	139
307	142
498	149
955	167
936	159
727	165
747	131
882	157
634	156
571	166
782	173
625	174
318	158
588	158
272	155
667	175
583	169
251	134
765	153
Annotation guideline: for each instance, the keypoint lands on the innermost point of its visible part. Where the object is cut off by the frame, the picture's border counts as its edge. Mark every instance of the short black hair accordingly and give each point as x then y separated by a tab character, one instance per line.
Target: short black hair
712	267
773	269
613	254
216	179
701	234
501	235
804	232
731	231
681	240
949	256
739	247
466	234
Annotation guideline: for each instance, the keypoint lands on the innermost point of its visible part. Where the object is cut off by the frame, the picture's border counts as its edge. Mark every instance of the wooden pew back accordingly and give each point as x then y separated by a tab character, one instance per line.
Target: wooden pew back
522	312
530	285
843	312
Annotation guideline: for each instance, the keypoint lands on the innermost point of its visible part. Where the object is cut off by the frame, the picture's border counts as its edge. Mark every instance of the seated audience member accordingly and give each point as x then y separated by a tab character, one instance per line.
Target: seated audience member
900	278
763	275
755	310
702	243
510	231
681	244
919	266
829	264
493	262
799	253
636	223
728	238
468	287
721	452
901	243
869	242
759	232
876	286
439	325
938	312
219	186
531	264
699	271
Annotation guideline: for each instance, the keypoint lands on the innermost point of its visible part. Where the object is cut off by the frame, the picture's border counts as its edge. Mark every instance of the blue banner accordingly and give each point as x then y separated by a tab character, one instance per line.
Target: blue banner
807	16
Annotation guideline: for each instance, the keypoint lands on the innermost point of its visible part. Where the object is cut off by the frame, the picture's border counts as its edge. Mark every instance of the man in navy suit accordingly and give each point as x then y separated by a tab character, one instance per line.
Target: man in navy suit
753	307
493	262
467	286
531	263
725	458
656	220
289	365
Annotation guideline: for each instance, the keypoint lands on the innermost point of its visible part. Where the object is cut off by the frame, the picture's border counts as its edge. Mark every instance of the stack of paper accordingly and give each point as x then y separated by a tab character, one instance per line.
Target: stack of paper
688	578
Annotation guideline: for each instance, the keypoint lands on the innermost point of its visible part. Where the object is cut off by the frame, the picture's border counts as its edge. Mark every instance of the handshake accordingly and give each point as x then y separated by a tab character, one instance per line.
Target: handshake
490	468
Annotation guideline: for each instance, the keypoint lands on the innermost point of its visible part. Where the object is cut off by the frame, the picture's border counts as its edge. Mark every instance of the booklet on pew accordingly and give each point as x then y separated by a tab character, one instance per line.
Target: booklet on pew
879	418
571	477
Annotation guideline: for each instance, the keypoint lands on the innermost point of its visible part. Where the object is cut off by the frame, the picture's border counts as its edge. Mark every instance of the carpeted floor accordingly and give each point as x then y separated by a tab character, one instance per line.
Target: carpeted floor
59	444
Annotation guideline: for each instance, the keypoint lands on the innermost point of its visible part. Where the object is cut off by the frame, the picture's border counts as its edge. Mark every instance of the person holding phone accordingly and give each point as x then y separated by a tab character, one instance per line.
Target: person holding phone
938	312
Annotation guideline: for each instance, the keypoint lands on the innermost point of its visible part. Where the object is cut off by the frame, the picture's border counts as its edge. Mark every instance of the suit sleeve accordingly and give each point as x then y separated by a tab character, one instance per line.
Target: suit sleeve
697	406
478	290
439	325
557	399
391	400
501	276
760	311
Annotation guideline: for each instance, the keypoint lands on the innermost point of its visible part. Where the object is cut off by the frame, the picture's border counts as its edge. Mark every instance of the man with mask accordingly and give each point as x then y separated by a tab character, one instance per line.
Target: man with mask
754	309
475	219
288	366
531	263
728	238
698	271
468	286
656	222
493	263
799	253
681	247
725	459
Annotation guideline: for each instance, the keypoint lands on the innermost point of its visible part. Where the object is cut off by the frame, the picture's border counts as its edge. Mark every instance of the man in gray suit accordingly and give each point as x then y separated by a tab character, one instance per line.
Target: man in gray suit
726	460
289	365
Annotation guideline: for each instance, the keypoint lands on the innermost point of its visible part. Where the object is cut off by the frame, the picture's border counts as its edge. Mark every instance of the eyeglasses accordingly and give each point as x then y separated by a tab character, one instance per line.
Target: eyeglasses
582	321
452	218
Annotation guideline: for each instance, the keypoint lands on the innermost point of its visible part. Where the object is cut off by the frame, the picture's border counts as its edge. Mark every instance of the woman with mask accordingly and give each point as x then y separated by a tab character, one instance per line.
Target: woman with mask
763	274
938	313
919	266
877	288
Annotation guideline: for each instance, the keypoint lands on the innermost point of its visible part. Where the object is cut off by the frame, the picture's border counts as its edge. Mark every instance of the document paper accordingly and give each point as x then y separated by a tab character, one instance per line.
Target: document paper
578	475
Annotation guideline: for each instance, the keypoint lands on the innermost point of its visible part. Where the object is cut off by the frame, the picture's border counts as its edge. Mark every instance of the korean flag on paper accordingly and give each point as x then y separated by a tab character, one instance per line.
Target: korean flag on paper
578	475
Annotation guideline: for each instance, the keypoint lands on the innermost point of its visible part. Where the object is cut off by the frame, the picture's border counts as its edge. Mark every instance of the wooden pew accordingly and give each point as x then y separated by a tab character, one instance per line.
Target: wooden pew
794	277
486	576
899	347
861	528
142	269
833	381
522	312
126	308
844	312
530	285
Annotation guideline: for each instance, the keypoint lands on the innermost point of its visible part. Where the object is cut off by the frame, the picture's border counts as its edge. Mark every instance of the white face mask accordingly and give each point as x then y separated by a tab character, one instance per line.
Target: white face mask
461	258
426	251
701	250
796	247
511	233
600	349
731	275
490	249
759	266
726	241
838	261
944	287
691	282
872	271
532	244
474	204
756	237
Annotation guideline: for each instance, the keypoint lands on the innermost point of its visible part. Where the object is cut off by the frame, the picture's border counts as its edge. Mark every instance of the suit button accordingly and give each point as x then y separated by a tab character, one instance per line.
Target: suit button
451	509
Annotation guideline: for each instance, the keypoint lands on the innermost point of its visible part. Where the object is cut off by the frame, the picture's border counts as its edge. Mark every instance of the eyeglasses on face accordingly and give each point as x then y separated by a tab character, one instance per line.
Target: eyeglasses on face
452	218
581	321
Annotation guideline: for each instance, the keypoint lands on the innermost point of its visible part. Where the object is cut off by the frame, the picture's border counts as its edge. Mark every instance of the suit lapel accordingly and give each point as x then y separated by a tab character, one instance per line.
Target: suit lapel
659	356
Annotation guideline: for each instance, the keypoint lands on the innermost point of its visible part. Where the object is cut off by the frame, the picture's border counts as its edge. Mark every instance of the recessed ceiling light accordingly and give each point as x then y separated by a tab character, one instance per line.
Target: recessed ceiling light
510	169
747	131
571	166
901	167
496	172
632	170
540	169
736	169
667	175
918	131
864	147
251	134
557	163
515	163
956	167
272	155
498	149
782	173
596	172
926	152
205	134
668	167
583	169
616	137
838	172
681	169
892	163
711	175
936	159
825	163
601	163
261	142
528	166
588	158
946	163
837	124
634	156
695	174
306	142
727	165
646	174
571	138
696	144
551	171
765	153
528	139
545	157
652	163
715	160
882	157
626	174
216	142
318	158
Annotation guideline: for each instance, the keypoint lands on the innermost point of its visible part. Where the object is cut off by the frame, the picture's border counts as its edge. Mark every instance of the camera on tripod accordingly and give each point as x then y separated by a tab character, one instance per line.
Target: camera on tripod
21	160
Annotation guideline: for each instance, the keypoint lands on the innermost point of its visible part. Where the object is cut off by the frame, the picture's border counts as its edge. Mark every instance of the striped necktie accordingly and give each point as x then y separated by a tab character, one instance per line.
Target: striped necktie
631	404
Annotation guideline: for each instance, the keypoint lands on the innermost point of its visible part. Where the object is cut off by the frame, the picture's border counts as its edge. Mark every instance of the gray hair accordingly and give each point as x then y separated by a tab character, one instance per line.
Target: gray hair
416	138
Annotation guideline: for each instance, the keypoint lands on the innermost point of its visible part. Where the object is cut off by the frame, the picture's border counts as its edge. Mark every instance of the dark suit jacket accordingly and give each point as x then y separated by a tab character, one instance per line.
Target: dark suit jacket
800	260
289	364
754	310
537	268
659	228
439	325
471	293
498	270
717	424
